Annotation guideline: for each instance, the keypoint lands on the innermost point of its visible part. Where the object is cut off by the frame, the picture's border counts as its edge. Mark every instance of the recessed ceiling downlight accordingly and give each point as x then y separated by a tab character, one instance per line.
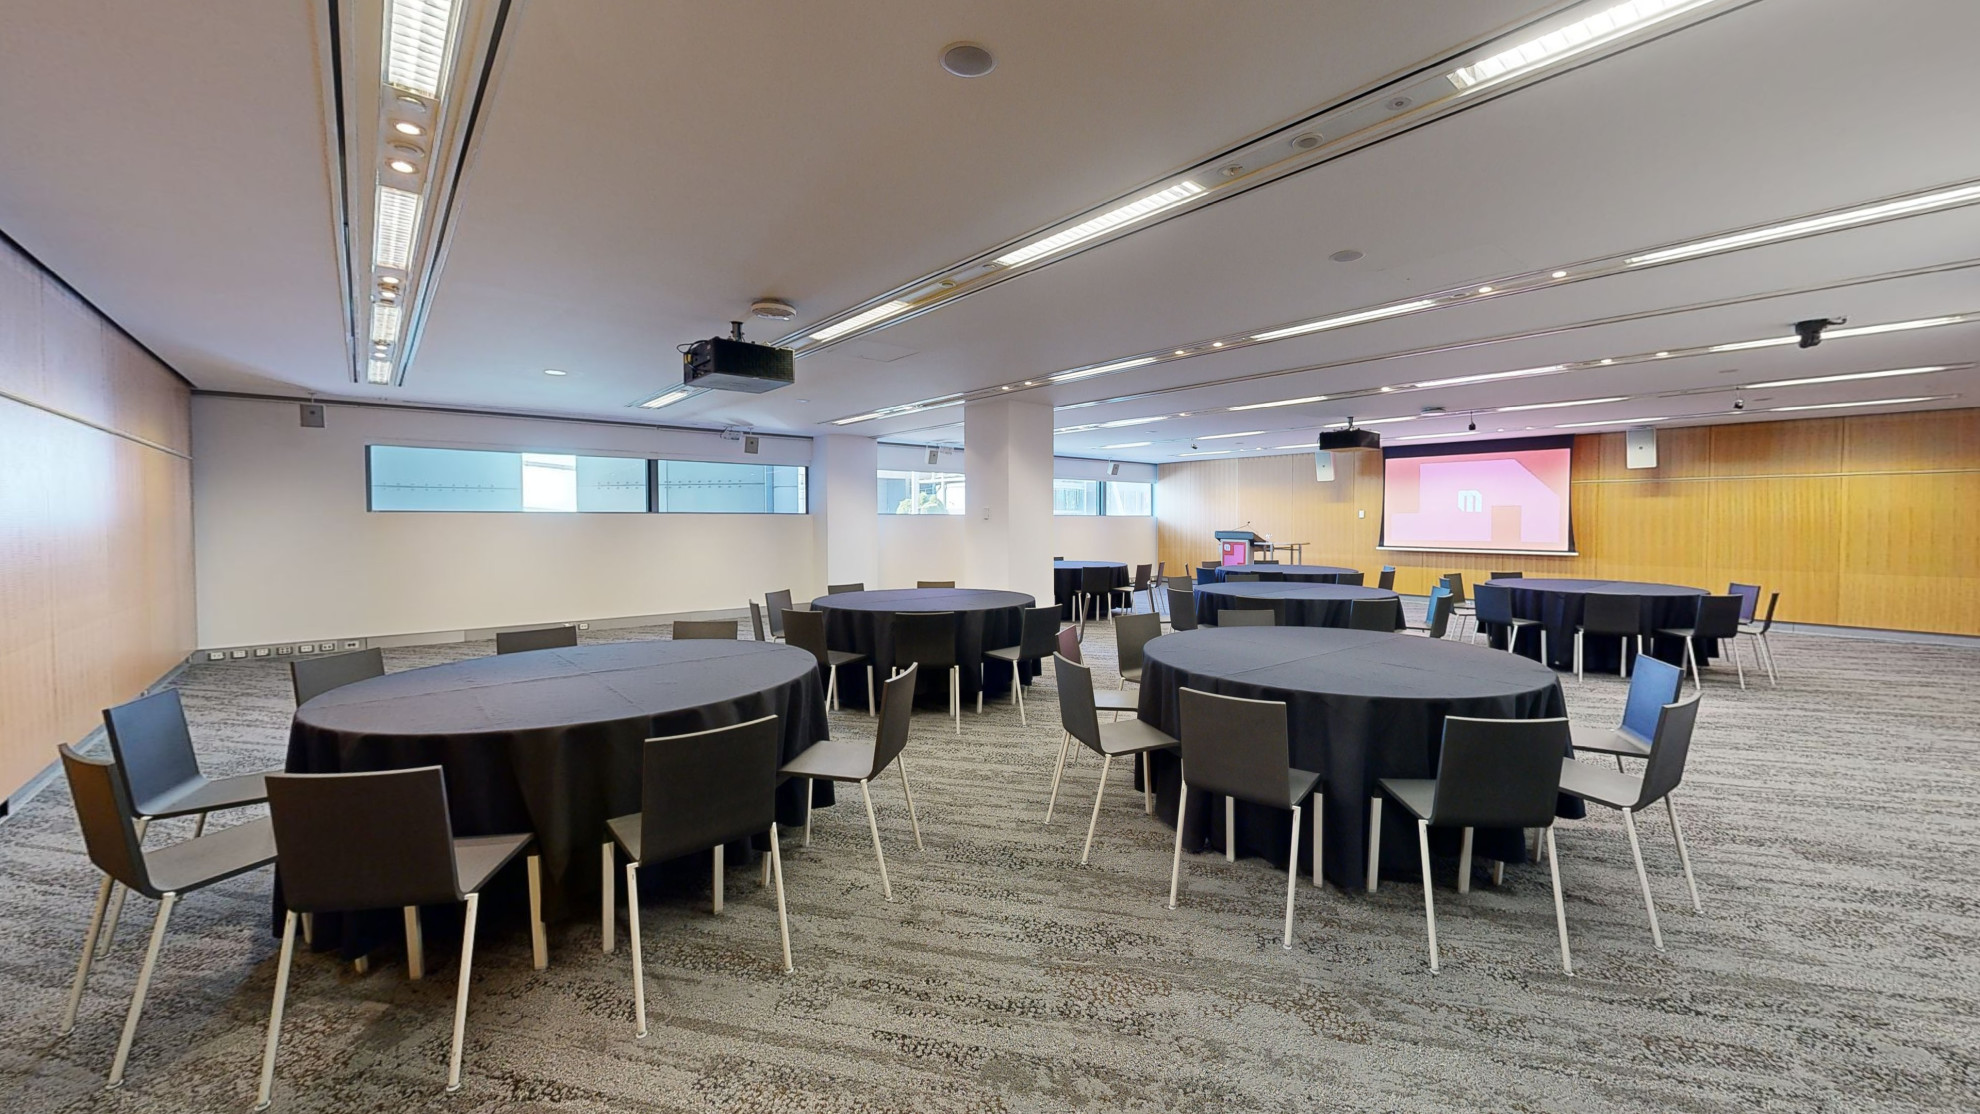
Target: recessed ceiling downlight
968	59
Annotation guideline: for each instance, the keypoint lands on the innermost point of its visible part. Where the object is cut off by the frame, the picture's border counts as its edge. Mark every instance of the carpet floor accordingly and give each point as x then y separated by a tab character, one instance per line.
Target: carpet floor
1834	823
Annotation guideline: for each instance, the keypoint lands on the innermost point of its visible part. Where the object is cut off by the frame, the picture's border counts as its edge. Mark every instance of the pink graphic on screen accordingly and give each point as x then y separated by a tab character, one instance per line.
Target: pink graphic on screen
1489	500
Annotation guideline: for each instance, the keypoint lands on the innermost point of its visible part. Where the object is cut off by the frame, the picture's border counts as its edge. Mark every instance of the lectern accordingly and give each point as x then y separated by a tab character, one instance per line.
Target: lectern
1239	546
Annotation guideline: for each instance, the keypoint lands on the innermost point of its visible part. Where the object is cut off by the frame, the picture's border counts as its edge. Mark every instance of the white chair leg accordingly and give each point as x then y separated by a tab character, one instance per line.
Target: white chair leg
143	984
1017	691
1182	817
1767	644
262	1096
117	898
1464	863
539	943
1147	784
1691	658
808	787
1739	666
872	709
1230	829
1643	877
461	994
873	823
607	897
955	696
832	689
1106	766
1065	743
1292	878
1374	842
1560	907
309	930
777	873
900	761
415	945
715	882
1498	872
638	953
1429	906
1319	835
1578	679
88	954
1684	855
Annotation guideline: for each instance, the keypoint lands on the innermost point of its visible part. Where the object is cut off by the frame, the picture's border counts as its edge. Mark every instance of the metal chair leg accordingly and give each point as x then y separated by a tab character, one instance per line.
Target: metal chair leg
1429	906
873	823
275	1012
608	897
415	945
1106	767
1182	817
638	953
461	994
1560	908
1684	855
1738	665
1374	842
1464	863
808	798
539	944
88	954
872	709
1065	743
1319	835
716	881
777	872
1230	829
1292	878
1643	877
117	898
900	762
143	984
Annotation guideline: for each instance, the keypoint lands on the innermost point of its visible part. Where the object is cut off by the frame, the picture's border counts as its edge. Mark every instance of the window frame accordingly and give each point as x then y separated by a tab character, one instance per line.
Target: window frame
651	472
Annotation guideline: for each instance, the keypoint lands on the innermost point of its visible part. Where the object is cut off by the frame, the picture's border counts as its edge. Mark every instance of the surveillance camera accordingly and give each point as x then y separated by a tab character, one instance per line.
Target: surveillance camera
1810	331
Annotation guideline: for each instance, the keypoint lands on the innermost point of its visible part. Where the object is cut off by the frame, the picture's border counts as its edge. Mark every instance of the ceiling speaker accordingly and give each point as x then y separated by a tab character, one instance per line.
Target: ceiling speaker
1113	468
934	454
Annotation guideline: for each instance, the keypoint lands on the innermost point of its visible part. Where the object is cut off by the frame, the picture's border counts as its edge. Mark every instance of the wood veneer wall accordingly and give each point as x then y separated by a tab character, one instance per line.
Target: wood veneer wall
1868	521
96	564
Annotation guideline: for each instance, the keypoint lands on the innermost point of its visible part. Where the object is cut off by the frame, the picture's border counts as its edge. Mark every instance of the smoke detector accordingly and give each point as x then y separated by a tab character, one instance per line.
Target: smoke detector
776	309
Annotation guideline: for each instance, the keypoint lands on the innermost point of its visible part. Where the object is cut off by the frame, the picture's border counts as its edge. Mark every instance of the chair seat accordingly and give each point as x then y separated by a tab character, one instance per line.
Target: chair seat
832	760
1600	784
1607	740
477	858
843	657
1518	622
1414	794
206	794
192	863
1132	736
1678	632
1116	700
1133	675
1752	628
1005	653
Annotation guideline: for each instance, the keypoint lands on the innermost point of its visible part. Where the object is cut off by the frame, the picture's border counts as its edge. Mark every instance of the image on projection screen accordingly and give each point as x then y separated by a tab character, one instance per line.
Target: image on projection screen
1515	499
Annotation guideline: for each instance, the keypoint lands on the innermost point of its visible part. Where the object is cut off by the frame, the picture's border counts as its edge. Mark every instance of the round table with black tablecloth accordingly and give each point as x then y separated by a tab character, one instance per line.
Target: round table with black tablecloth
1309	574
986	619
1296	603
1361	705
1557	603
1066	577
551	741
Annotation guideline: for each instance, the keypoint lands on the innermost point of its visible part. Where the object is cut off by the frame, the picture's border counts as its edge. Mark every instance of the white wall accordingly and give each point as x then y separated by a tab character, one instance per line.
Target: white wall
286	550
1104	537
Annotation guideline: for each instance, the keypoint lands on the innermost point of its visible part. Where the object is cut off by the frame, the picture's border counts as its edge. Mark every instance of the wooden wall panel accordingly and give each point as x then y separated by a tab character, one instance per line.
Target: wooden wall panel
96	562
1857	521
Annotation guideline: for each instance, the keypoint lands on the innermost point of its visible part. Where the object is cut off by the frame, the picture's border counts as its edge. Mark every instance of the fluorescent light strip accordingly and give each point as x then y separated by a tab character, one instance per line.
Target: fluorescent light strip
1434	436
1217	452
1106	222
1348	319
1281	402
1222	436
1745	345
668	398
1852	375
1128	445
1373	421
1829	222
1558	405
1119	422
1893	327
1870	402
1558	46
1067	376
385	324
1490	376
862	320
398	214
416	44
1618	421
379	372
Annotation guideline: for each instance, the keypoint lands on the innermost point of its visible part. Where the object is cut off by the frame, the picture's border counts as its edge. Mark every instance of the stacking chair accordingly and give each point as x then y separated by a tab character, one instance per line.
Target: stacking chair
1155	585
835	760
1654	684
352	842
1508	576
1718	617
1238	748
1351	579
1376	615
806	631
1607	616
1140	586
1115	700
1037	636
1096	590
774	606
756	621
1437	616
104	808
535	638
1182	608
934	583
1749	599
1387	581
1247	617
313	676
1131	634
698	792
1493	773
841	589
1461	608
928	639
1242	577
1119	739
1494	602
1663	770
704	628
1763	650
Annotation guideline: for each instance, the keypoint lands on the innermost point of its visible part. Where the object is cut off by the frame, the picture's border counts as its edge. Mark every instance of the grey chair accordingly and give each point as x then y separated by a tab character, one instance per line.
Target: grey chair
1239	749
1717	618
1132	634
1763	650
1749	599
1120	739
1351	579
1609	616
1141	585
1115	700
1242	577
834	760
698	792
1182	608
1461	606
1037	637
1156	584
1387	580
384	840
104	809
690	629
311	677
928	639
1493	773
806	631
934	583
535	638
1096	591
1436	615
1247	617
1654	684
1663	771
756	621
1495	609
1375	615
841	589
774	606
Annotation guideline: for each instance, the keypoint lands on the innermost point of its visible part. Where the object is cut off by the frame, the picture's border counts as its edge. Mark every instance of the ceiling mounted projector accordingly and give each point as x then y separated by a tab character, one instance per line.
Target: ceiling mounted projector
733	364
1349	440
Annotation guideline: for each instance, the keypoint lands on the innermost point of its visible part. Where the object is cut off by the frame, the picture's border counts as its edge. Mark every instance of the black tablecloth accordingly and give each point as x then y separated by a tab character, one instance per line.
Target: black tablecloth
1066	577
1297	603
1557	603
551	741
986	619
1308	574
1362	705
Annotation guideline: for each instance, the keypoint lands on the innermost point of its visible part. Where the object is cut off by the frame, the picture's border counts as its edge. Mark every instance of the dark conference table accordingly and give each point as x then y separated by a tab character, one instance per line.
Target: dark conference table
1066	576
1309	574
1558	602
986	619
1296	603
1362	705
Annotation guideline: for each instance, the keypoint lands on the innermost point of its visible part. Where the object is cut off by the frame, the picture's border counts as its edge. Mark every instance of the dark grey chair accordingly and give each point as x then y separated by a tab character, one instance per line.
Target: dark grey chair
1763	650
928	639
841	589
756	621
311	677
1242	577
1495	609
384	840
1654	684
1436	615
774	606
1749	599
934	583
1037	636
834	760
1609	616
1717	618
1132	634
104	809
1182	608
1096	591
1124	597
536	638
1493	773
1461	606
698	792
1247	617
1663	771
1376	615
1156	584
1387	580
689	629
1115	700
1351	579
1239	749
1119	739
806	631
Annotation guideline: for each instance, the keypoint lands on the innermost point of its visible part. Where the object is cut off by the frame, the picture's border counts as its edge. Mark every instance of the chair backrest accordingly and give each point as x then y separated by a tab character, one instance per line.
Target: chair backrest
1247	617
1494	603
1499	773
1234	746
774	605
1381	615
704	628
1387	579
1241	577
1076	713
1039	635
708	788
1671	747
1096	580
890	735
103	808
1141	575
806	631
1508	576
1069	645
925	637
1455	582
151	749
934	583
841	589
1602	613
536	638
1132	633
1749	595
1654	684
1437	616
756	620
1182	609
1351	579
347	842
1718	617
1767	623
311	677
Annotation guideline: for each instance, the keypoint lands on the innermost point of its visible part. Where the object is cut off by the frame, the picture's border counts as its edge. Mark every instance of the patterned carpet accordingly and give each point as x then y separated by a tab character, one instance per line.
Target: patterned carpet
1834	823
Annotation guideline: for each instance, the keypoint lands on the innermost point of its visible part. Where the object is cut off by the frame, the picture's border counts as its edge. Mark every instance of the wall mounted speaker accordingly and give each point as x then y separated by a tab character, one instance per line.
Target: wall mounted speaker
750	444
312	415
934	454
1323	467
1640	447
1113	468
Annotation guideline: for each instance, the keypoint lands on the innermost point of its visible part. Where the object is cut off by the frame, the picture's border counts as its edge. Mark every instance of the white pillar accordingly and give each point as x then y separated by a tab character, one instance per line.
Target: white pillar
1007	466
845	509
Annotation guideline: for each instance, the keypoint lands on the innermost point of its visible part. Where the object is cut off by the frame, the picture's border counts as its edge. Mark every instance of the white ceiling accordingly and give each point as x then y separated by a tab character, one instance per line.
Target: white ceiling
646	169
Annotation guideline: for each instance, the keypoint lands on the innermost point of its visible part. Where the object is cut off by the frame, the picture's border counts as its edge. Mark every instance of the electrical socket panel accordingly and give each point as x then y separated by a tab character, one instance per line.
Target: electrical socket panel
351	644
584	626
237	654
306	648
285	649
216	655
261	651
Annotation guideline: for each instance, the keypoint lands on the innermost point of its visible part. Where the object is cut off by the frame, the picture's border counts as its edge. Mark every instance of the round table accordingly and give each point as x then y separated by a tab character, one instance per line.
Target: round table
1067	576
986	619
1361	705
551	741
1296	603
1557	603
1311	574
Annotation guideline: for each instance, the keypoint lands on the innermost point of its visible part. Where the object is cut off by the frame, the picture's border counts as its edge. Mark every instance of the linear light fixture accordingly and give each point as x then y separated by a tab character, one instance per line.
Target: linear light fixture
1559	45
1119	422
1373	421
1123	365
1281	402
1356	318
1558	405
1618	421
1491	376
1827	222
1844	334
398	216
384	324
416	44
1214	452
1222	436
861	320
669	397
1129	445
1435	436
1896	371
379	372
1139	209
1869	402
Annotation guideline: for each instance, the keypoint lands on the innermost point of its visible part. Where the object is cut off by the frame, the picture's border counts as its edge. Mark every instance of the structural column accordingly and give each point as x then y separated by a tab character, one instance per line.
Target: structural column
1007	468
844	509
